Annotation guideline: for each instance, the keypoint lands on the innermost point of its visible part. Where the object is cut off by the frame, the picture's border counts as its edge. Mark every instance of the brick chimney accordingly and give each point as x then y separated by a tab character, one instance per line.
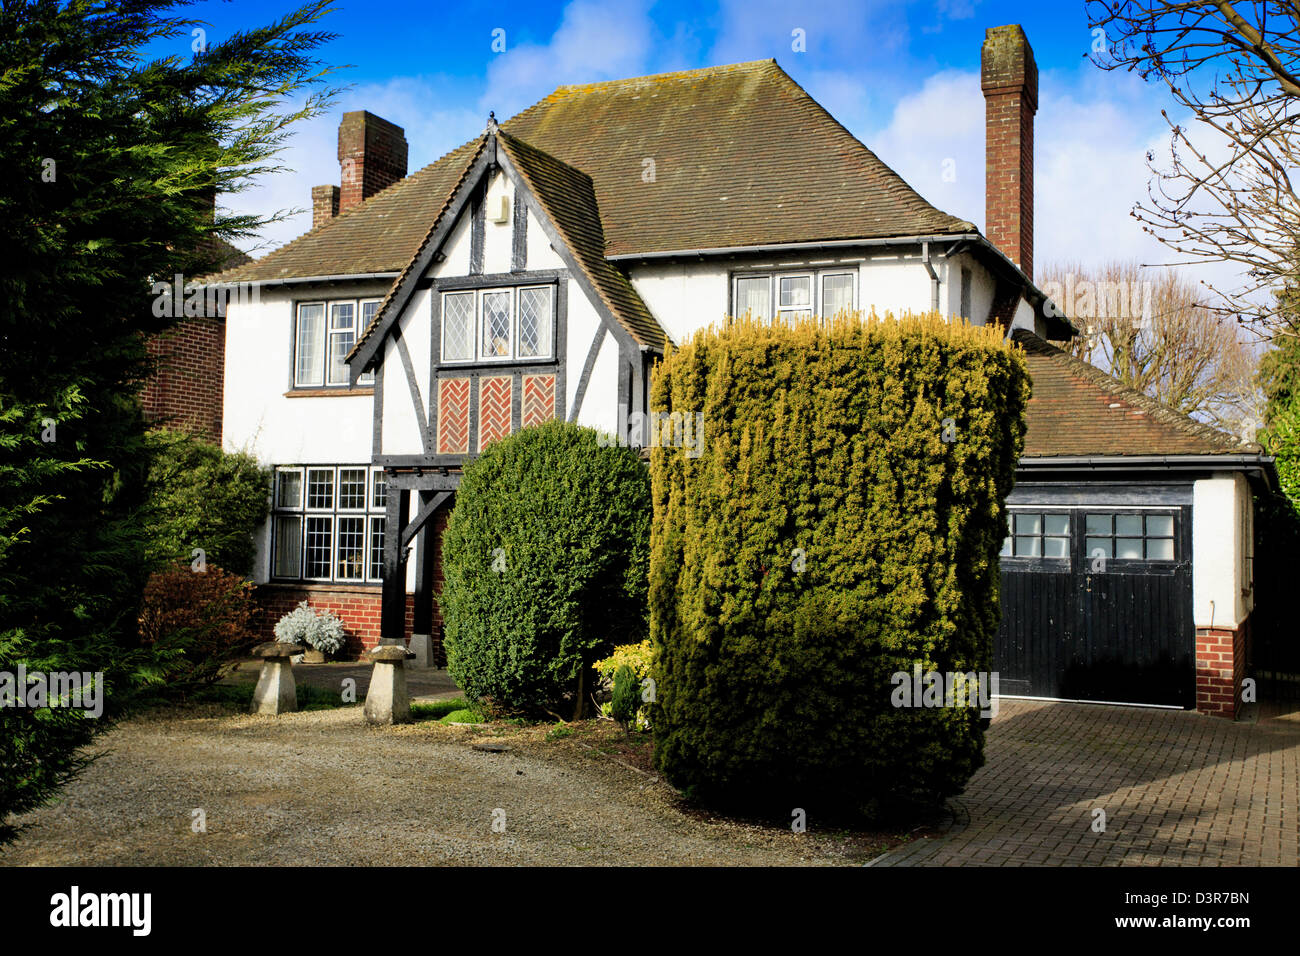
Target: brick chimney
1009	78
372	156
324	204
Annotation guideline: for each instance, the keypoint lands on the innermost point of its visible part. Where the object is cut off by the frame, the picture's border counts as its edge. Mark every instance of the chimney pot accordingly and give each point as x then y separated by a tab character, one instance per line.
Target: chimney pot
1009	79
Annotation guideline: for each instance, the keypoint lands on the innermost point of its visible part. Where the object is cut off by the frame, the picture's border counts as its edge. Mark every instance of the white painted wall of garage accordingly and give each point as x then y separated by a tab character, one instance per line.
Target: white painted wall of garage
1222	550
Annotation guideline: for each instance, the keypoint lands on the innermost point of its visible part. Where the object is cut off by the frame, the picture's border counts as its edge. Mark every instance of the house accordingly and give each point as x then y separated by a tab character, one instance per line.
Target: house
538	272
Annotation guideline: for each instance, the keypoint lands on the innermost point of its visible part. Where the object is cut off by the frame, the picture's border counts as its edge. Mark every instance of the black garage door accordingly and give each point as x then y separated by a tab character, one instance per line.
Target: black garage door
1097	604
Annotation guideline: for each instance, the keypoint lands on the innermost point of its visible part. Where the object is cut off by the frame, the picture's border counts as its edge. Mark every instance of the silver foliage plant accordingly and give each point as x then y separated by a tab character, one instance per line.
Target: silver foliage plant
321	630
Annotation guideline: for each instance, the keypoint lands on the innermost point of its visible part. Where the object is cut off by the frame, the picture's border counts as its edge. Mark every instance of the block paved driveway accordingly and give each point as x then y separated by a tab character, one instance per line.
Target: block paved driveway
1177	788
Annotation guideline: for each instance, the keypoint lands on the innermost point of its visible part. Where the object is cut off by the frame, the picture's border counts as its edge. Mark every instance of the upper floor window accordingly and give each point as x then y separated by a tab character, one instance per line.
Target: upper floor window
794	295
498	324
324	334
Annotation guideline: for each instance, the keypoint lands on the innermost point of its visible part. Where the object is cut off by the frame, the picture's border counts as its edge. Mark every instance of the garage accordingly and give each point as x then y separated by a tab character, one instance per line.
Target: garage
1126	572
1096	588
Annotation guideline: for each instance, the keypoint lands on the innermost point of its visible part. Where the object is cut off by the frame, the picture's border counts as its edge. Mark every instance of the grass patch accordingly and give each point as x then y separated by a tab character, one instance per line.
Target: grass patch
463	716
437	709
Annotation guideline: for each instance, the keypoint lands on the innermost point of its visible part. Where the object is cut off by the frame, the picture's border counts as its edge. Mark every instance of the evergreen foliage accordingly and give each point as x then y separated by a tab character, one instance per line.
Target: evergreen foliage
842	524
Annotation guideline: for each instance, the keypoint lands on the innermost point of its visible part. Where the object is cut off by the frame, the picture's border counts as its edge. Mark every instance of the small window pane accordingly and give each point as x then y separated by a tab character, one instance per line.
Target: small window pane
288	547
288	489
837	295
379	491
1098	524
1029	524
320	487
351	549
1028	547
352	489
309	345
1094	545
1128	524
535	322
1128	548
368	310
754	296
1056	524
1006	548
1056	547
376	548
1160	526
496	324
341	339
458	326
796	292
1160	549
319	541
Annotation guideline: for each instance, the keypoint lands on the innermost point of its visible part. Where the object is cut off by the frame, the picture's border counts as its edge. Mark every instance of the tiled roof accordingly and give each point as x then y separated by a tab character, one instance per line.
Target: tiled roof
381	234
1077	409
568	198
741	156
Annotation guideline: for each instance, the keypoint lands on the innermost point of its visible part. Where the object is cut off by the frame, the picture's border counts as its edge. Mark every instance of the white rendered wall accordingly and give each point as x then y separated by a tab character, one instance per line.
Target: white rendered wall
497	237
1222	546
400	432
258	418
538	251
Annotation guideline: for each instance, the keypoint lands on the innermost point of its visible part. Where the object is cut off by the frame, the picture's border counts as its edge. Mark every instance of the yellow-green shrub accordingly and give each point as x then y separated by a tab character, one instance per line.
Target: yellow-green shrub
773	664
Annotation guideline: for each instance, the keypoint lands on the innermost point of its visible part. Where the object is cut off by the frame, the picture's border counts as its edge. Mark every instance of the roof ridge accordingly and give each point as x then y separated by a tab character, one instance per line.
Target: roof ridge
720	68
1159	412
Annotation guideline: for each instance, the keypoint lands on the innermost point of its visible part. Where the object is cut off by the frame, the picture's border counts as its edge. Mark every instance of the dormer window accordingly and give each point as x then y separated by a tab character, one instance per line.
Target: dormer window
498	324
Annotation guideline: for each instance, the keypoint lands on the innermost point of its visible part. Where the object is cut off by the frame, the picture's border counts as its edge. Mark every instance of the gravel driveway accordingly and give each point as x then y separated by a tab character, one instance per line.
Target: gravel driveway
322	788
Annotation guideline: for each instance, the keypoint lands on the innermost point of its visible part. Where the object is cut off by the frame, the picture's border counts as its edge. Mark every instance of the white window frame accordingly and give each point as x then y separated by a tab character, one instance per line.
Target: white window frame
513	357
816	305
358	327
369	513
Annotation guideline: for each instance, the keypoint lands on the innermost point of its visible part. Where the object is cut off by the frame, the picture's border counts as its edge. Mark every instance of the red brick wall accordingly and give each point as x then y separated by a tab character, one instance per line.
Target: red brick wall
1220	669
187	387
372	156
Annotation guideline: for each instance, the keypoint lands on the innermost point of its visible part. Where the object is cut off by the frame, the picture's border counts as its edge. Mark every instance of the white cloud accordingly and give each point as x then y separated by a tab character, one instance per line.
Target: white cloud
595	41
1091	138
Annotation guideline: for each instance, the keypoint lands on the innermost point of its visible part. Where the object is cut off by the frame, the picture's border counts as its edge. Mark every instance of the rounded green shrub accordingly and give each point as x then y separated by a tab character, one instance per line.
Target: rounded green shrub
840	525
545	563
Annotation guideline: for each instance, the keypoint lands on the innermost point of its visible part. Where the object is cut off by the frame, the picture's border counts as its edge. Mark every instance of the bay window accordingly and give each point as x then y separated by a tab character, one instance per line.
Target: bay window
327	523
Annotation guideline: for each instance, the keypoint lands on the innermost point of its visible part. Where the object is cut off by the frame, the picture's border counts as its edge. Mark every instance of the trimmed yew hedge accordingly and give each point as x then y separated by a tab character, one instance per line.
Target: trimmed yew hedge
824	450
545	562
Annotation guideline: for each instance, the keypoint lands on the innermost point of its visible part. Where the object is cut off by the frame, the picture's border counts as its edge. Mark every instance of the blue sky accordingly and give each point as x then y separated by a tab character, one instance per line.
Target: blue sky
902	75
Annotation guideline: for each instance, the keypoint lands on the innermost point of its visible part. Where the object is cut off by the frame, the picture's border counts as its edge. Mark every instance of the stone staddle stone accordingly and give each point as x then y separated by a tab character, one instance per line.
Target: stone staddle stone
387	701
276	693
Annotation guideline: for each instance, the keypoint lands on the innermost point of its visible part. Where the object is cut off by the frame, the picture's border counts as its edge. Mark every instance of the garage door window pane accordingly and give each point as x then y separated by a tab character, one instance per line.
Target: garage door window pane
1130	525
1056	547
1160	526
1095	545
1056	524
1098	524
1028	547
1128	548
1160	549
1029	524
